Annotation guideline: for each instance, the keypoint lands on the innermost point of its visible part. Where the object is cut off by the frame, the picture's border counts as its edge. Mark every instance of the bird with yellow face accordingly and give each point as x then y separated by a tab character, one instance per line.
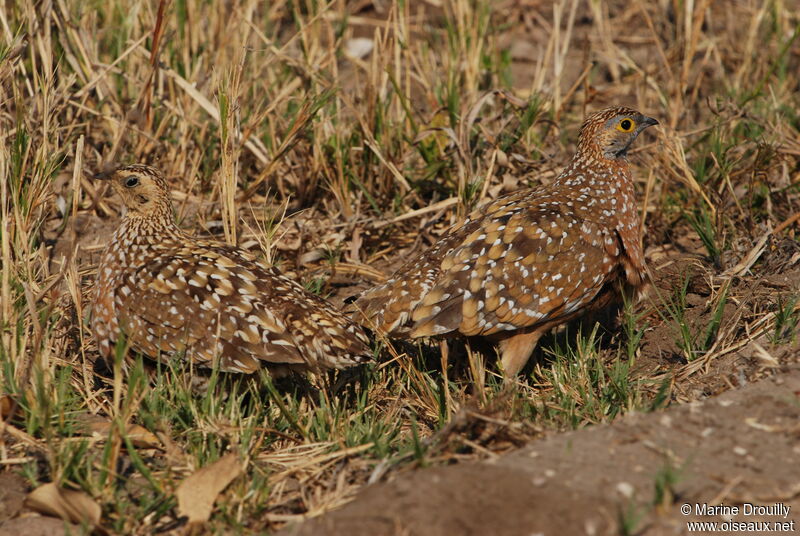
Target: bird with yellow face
529	261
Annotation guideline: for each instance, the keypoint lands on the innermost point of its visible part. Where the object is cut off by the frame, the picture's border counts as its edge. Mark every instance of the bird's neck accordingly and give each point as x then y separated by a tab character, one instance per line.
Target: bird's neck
593	168
601	187
151	228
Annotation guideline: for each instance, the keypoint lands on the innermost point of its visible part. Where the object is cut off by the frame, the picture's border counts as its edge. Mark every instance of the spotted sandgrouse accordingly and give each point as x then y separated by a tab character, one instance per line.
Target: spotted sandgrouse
529	261
172	294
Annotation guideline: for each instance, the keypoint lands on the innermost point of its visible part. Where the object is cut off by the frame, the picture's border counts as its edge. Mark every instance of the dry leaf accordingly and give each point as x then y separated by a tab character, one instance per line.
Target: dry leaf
197	494
140	436
311	256
69	505
358	47
6	406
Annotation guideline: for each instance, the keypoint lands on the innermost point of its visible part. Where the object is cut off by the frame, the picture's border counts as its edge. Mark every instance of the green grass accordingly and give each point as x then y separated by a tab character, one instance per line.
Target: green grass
787	319
586	387
273	138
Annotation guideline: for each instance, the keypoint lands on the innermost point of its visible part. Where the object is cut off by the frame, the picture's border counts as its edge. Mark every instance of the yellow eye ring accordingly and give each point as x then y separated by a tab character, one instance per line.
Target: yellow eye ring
626	125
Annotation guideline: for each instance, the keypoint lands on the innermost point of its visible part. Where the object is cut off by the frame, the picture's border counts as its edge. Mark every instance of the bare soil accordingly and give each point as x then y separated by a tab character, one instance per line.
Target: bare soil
731	432
740	447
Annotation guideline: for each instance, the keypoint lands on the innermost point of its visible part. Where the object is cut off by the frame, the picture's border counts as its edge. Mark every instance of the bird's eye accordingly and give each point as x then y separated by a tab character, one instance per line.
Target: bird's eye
626	125
132	181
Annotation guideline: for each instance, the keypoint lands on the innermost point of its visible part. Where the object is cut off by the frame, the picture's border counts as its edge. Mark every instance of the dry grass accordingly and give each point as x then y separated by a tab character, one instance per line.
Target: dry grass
280	132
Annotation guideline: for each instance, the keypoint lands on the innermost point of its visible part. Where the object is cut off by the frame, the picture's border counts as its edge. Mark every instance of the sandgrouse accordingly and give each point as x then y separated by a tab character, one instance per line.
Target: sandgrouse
528	261
172	294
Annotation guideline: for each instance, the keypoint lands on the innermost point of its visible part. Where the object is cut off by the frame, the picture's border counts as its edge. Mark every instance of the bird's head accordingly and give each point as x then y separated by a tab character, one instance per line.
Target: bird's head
142	188
610	132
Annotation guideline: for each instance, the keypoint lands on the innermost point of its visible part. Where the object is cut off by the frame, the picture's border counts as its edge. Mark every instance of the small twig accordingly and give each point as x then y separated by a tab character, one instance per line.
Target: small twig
786	223
147	92
446	203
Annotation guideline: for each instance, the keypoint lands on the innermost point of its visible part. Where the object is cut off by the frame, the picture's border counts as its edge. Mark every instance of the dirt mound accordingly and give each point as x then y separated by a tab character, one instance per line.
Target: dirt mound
630	477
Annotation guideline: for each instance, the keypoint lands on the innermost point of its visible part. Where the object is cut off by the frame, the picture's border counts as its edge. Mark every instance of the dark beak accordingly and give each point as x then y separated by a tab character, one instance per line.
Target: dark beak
649	121
104	175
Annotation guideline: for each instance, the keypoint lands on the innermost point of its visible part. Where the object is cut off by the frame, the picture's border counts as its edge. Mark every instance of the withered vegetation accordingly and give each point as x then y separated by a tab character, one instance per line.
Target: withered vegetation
336	139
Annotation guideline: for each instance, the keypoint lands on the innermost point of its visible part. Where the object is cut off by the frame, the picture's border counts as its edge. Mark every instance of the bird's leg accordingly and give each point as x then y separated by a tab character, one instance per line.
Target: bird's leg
516	350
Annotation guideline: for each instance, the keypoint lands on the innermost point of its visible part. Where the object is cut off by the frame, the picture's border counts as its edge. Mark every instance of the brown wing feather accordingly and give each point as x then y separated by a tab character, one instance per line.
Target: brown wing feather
387	307
215	301
521	260
181	303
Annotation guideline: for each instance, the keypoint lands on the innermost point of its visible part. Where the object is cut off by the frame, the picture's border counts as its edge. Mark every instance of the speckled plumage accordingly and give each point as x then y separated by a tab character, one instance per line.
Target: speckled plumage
170	293
528	261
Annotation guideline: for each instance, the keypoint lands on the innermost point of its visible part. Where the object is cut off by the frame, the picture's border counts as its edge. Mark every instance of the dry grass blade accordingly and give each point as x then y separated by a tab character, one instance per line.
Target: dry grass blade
335	140
676	157
435	207
209	107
